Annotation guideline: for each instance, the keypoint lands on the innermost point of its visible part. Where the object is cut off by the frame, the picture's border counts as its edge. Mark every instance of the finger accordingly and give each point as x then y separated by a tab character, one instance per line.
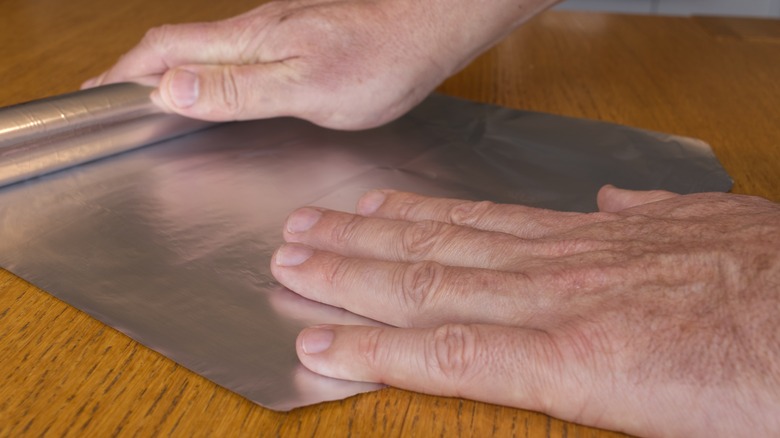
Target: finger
232	92
404	241
149	81
419	294
169	46
611	199
94	82
503	365
518	220
295	307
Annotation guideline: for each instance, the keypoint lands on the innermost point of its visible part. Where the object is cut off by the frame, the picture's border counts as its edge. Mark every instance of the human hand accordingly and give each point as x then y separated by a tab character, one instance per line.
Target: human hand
347	64
657	315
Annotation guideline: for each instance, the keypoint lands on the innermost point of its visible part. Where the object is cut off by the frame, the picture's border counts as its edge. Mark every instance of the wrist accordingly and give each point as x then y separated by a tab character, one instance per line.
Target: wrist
460	30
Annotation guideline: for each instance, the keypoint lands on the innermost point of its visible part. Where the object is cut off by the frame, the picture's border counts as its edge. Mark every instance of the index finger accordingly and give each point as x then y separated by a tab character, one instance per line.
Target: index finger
170	46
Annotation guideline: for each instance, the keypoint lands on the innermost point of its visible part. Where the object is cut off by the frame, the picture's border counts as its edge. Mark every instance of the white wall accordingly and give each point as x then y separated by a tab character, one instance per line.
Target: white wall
754	8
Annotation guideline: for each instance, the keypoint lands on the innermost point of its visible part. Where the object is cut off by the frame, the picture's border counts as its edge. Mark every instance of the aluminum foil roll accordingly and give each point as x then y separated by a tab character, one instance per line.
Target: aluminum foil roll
51	134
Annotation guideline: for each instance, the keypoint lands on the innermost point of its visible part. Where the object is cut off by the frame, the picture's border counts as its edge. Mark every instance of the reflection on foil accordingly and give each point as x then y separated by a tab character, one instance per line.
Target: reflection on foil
171	244
51	134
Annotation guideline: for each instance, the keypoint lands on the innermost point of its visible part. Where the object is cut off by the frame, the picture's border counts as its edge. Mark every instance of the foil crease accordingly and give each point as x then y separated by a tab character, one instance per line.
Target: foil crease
171	244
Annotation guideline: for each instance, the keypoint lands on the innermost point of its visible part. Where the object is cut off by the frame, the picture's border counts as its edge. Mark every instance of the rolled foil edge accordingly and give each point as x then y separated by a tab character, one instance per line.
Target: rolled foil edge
55	133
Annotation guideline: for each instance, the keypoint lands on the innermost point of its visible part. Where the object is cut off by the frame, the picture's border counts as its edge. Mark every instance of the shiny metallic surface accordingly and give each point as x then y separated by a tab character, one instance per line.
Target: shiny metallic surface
59	132
171	244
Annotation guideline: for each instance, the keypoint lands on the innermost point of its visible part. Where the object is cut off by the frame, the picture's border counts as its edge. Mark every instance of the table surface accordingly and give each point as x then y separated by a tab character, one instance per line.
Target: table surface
63	373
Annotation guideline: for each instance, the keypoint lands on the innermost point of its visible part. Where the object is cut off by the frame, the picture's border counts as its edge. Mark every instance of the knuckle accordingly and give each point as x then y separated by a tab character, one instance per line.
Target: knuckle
229	97
338	272
453	353
346	231
407	207
369	348
418	240
155	35
160	38
470	213
420	284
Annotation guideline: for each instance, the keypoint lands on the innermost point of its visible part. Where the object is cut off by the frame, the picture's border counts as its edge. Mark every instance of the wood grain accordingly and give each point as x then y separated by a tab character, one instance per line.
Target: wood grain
757	30
64	374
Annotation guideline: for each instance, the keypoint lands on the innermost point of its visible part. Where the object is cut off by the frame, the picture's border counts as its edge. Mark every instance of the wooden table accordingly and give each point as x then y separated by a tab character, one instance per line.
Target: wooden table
63	373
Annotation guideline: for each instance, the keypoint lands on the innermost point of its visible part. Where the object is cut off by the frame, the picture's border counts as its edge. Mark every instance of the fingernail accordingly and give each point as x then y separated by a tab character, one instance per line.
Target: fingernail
183	87
292	254
316	339
370	202
303	219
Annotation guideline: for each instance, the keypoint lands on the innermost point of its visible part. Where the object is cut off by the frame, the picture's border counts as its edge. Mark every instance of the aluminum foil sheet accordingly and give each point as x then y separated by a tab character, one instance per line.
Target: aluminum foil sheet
171	243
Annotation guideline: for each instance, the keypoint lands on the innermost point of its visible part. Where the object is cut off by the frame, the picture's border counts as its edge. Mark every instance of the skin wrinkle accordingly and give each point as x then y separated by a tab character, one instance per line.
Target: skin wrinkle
345	232
707	328
405	209
368	347
470	213
151	40
427	304
454	354
339	272
425	239
419	239
682	329
230	98
421	285
252	38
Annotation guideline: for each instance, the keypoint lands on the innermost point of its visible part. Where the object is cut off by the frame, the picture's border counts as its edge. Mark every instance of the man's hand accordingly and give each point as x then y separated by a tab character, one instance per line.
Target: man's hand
346	64
659	315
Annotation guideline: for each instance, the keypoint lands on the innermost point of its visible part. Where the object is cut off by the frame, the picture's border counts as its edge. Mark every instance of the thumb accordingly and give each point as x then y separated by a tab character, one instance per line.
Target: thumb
504	365
611	199
228	92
